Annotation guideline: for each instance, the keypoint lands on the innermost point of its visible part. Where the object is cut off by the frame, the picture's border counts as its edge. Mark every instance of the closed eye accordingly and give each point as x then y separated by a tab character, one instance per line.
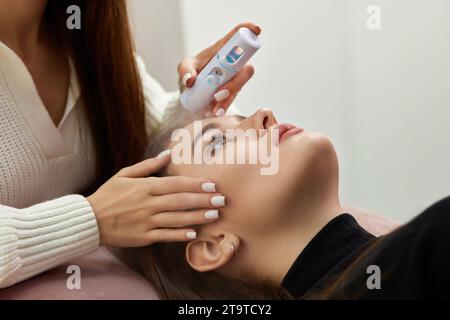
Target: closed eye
212	126
216	142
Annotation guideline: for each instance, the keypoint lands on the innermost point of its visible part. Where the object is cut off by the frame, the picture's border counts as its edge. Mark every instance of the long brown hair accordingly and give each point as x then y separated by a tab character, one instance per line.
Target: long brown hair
165	267
103	55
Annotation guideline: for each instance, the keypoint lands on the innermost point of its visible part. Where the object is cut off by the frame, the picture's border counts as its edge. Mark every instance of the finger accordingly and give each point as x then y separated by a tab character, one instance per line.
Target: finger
171	235
186	201
220	108
232	88
167	185
187	72
204	56
180	219
146	167
236	84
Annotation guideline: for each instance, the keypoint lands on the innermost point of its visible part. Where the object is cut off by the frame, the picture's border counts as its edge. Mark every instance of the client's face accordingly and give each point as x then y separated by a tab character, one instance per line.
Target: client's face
258	206
256	201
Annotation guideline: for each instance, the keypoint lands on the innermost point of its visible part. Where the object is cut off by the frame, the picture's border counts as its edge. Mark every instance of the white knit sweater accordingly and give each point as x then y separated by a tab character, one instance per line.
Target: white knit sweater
43	222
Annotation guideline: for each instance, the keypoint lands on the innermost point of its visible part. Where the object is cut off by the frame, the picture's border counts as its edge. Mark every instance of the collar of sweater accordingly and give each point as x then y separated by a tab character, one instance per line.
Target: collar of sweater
327	254
22	88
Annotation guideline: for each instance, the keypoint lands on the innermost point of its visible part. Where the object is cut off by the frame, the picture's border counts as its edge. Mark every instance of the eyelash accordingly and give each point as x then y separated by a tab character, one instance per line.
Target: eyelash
215	139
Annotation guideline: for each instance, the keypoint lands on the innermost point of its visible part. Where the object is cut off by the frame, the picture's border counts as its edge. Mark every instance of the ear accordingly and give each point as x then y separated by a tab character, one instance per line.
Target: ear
211	252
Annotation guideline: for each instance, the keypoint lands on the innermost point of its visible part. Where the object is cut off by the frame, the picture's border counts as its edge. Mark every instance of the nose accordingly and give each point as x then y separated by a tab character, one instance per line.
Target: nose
261	119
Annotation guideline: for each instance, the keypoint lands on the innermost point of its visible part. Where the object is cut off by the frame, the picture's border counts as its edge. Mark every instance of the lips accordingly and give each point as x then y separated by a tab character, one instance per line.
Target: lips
285	130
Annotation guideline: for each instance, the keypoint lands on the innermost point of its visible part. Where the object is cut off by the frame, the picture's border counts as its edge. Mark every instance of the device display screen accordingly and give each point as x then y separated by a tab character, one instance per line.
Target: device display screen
235	54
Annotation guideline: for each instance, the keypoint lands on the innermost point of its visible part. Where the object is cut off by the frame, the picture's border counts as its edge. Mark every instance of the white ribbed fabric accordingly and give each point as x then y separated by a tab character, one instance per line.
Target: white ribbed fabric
43	222
43	236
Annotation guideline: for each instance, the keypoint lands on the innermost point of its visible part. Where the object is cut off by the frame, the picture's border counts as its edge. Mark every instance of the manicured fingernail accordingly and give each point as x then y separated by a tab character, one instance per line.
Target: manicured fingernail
220	112
164	154
186	77
209	187
208	114
212	215
191	234
222	95
218	201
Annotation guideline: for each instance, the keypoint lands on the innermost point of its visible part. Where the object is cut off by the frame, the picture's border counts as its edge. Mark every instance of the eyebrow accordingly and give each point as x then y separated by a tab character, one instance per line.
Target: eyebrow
209	126
239	117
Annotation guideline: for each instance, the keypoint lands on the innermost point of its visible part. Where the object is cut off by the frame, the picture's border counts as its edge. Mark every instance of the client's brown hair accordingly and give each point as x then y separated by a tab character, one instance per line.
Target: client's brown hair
165	265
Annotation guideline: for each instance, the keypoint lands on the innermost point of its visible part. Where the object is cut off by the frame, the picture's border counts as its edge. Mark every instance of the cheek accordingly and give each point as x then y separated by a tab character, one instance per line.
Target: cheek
232	180
252	203
242	186
229	178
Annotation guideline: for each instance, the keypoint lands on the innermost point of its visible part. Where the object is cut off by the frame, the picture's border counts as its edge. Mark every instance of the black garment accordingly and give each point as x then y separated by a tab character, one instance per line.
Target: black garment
414	260
327	254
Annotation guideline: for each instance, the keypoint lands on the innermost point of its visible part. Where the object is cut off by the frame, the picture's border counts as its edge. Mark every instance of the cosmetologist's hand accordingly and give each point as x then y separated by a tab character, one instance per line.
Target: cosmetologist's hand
189	68
134	209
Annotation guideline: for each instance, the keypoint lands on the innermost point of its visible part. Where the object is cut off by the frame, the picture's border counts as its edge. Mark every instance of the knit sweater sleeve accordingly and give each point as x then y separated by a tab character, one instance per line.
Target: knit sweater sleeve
43	236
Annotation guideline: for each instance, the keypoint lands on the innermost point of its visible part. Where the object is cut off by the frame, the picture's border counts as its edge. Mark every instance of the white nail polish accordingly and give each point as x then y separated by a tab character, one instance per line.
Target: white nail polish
220	112
212	215
164	154
218	201
191	234
186	77
209	187
222	95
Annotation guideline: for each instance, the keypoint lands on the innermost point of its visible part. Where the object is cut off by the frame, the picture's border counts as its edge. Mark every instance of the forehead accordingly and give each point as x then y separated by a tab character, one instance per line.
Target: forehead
222	122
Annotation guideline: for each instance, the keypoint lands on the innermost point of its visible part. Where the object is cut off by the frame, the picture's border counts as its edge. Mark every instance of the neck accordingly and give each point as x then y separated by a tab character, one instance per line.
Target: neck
21	23
275	253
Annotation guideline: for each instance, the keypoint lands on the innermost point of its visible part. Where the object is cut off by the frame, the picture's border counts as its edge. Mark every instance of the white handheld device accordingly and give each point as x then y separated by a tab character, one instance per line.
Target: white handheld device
221	69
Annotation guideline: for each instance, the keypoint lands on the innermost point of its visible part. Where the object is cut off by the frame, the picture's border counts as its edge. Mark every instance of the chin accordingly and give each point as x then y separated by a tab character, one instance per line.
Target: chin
323	162
316	160
309	145
321	143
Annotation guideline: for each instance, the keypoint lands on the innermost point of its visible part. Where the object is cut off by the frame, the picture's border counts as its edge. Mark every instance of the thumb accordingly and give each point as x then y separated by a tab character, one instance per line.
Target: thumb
147	167
187	72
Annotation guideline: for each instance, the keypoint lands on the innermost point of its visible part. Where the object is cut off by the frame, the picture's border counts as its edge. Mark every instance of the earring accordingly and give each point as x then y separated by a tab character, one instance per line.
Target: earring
232	246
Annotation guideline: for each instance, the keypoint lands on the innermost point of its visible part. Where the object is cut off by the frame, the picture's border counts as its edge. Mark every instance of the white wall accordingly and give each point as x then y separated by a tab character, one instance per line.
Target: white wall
157	30
401	110
383	96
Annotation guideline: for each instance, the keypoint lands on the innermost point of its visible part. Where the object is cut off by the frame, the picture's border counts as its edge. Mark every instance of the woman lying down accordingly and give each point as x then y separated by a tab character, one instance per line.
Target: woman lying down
285	235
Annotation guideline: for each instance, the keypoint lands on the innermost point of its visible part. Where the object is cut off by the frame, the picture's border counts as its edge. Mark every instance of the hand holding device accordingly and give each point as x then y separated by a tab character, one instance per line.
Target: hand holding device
221	69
